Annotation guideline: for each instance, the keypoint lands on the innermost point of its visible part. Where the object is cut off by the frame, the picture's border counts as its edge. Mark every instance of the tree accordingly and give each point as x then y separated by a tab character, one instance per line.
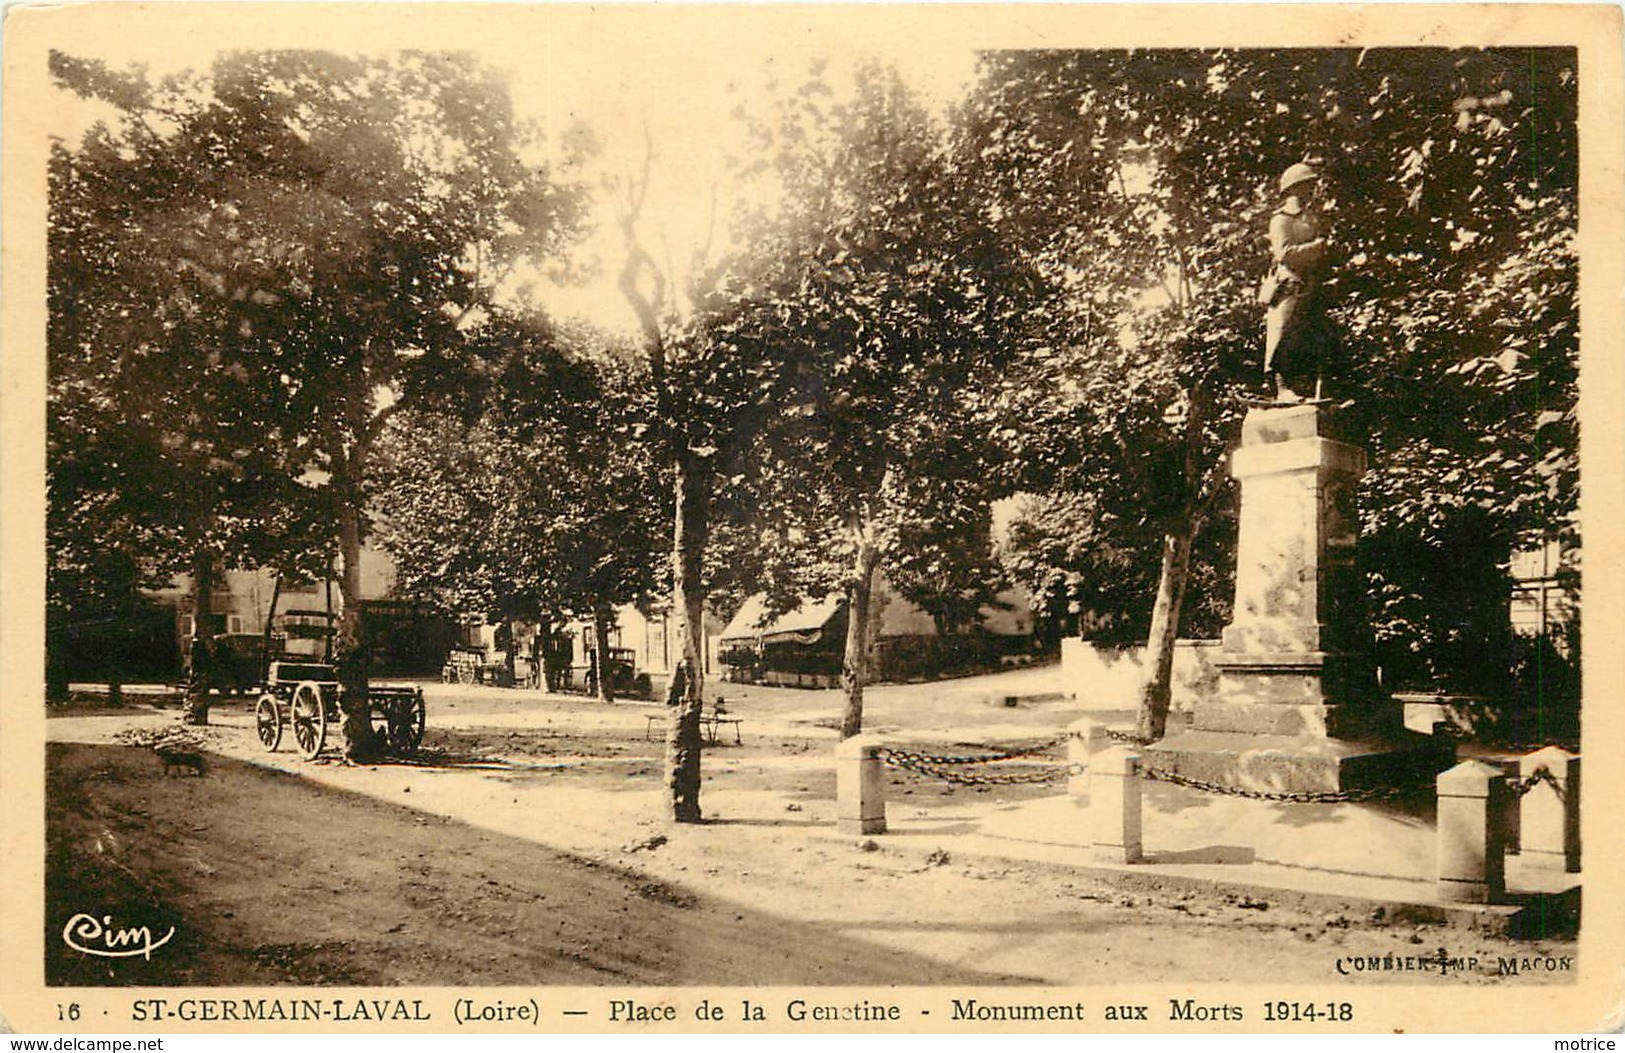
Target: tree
890	307
382	204
539	506
1154	170
647	289
708	380
1129	403
942	553
1083	580
169	445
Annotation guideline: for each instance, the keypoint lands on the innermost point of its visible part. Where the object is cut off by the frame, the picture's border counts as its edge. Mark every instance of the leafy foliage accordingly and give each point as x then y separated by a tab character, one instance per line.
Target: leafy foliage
890	306
330	233
169	441
1144	180
542	505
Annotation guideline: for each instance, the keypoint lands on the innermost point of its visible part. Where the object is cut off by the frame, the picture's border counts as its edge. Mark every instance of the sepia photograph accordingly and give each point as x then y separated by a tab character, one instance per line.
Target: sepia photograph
875	519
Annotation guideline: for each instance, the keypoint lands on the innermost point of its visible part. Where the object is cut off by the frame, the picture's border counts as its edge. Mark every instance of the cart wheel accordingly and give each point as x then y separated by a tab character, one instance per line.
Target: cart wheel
406	721
268	722
419	720
466	674
309	720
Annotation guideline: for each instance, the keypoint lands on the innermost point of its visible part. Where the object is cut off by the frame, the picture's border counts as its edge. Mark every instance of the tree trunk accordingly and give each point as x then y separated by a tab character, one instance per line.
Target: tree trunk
327	644
683	741
268	633
511	653
1159	659
540	677
601	616
351	652
201	678
855	663
1157	692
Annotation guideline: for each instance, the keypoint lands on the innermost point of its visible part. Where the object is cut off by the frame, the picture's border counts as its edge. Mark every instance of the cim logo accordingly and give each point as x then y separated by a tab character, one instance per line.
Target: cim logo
85	934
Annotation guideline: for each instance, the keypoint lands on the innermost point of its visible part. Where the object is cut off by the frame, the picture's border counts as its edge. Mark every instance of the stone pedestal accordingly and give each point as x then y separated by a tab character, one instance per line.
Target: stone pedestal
1472	853
1297	705
860	787
1114	805
1550	810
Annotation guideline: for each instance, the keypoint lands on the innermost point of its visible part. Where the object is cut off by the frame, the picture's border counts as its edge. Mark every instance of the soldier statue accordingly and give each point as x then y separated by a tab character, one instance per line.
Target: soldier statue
1298	336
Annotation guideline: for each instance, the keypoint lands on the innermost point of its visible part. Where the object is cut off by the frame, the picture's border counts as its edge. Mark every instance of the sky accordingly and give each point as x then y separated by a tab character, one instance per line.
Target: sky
687	100
680	78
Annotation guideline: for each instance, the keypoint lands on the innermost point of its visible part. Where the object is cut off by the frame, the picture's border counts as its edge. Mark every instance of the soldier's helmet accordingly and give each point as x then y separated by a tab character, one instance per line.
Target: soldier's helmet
1298	173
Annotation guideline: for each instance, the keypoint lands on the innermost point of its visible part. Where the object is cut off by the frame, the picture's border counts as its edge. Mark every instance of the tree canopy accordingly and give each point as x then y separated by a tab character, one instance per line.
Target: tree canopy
890	308
1144	180
538	504
267	274
333	232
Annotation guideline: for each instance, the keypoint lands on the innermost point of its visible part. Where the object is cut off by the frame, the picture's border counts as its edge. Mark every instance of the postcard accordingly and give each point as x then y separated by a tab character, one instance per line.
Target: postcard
880	519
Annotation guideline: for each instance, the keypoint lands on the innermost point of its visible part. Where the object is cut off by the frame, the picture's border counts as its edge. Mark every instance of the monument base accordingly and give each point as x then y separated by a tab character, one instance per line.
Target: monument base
1298	763
1363	719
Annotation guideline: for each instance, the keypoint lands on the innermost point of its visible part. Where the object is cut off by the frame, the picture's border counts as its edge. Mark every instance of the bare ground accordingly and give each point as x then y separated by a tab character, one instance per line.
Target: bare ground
525	846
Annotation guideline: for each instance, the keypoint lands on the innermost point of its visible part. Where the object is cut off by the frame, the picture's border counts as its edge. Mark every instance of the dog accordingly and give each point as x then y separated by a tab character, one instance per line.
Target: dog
174	760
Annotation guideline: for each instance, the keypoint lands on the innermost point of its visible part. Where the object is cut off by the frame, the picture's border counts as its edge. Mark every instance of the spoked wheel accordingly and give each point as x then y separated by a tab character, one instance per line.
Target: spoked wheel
268	723
466	674
309	719
407	718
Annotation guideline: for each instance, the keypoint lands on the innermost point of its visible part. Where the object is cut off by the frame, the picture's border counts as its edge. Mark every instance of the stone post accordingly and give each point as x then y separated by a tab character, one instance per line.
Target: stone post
860	787
1550	811
1114	805
1472	848
1085	738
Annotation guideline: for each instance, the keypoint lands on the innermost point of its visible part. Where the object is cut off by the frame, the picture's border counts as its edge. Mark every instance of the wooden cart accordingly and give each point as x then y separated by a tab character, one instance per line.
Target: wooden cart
306	695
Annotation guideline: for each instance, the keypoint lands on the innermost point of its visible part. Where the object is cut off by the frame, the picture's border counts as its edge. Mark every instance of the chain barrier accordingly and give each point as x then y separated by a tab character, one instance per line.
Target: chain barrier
1354	796
945	766
1521	787
951	770
978	758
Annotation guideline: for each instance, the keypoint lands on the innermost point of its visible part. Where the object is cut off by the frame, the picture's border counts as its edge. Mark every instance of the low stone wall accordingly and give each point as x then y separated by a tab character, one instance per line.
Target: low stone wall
1110	678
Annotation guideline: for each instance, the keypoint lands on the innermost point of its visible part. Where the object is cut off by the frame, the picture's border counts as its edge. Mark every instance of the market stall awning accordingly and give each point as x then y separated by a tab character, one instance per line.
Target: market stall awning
802	625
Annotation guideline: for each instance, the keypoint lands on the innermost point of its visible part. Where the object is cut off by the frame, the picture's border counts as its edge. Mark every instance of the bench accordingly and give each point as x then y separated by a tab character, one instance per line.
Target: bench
712	718
716	717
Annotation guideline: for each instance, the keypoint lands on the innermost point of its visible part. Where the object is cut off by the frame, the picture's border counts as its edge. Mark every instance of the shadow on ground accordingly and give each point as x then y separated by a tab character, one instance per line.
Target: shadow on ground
1546	916
268	880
